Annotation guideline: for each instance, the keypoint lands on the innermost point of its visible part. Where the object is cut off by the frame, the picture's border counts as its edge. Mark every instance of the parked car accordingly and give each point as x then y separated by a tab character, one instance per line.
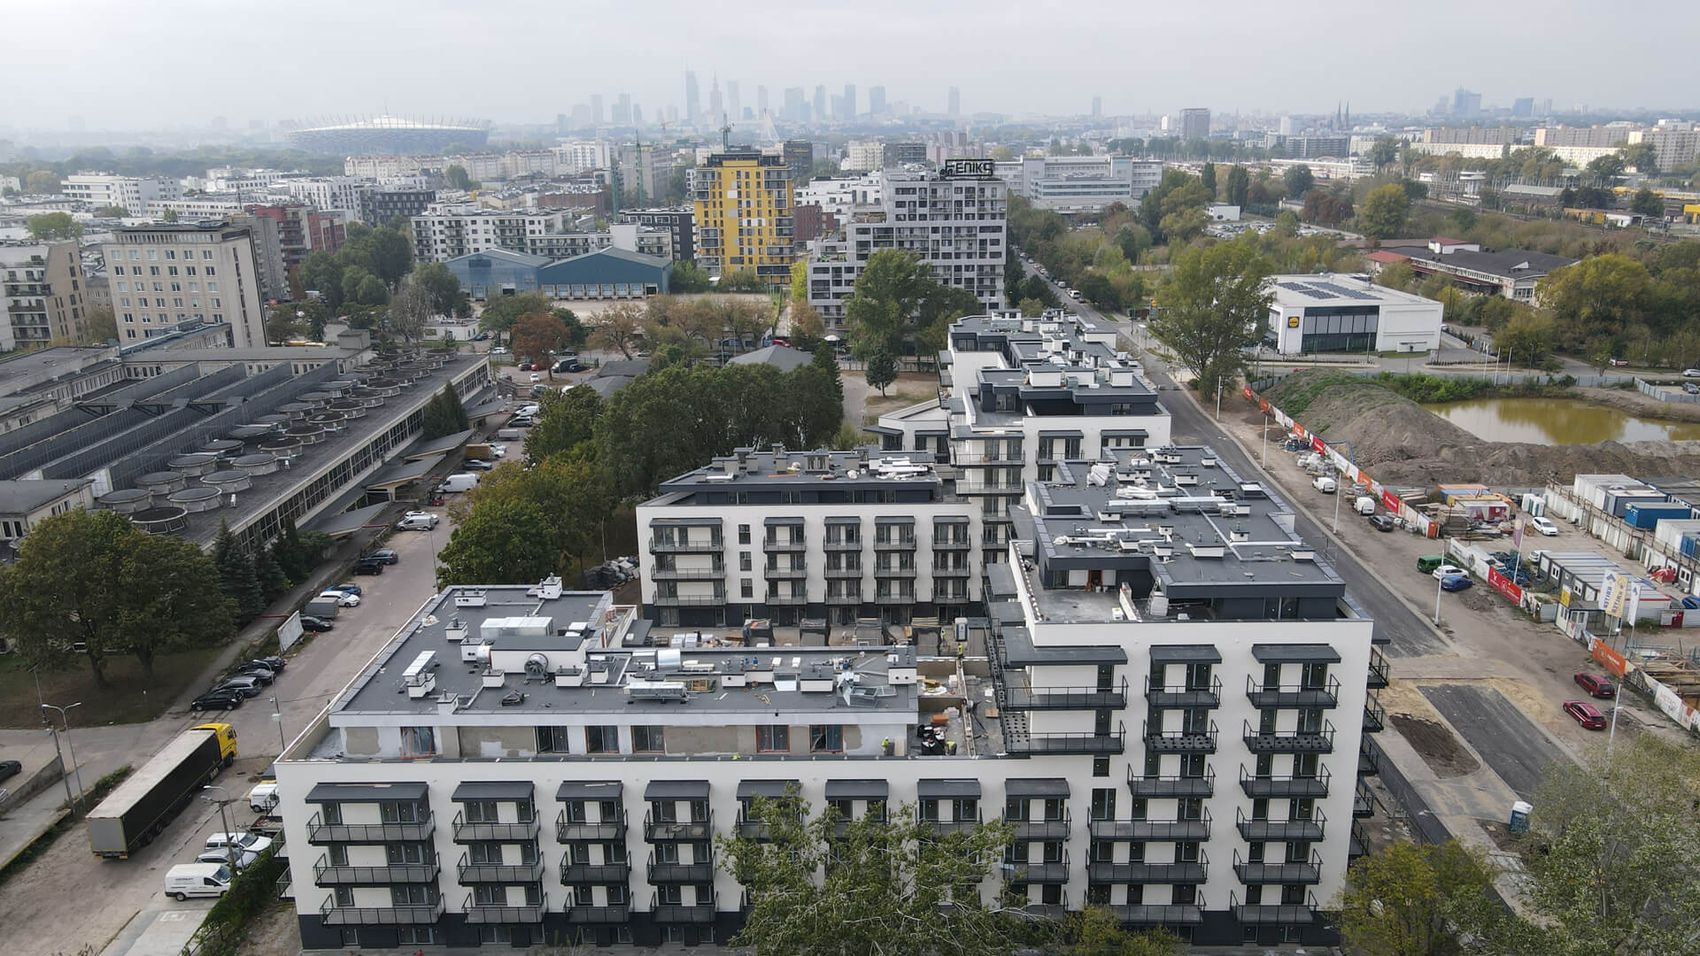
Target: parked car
342	598
481	337
264	675
218	700
520	421
348	587
1596	685
246	686
10	769
1544	526
241	858
1689	388
1456	582
499	350
197	879
456	483
385	555
1691	373
418	520
277	663
315	625
1585	714
369	565
477	464
1447	570
1428	562
536	377
1381	522
252	842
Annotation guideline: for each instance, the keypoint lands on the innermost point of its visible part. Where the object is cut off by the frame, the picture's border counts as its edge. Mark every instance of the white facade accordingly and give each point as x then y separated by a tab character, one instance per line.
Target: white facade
839	196
130	192
583	155
1348	313
168	276
44	295
863	157
957	227
328	193
447	231
1081	183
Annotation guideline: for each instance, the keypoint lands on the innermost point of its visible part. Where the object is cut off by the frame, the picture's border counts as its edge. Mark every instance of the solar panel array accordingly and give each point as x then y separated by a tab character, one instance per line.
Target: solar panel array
1326	290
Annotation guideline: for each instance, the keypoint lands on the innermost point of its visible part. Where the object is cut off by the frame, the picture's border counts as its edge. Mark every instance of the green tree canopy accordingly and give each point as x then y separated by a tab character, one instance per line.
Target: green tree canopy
1239	186
1599	296
1214	306
1411	900
1298	180
444	415
53	226
688	277
499	542
442	288
1385	211
881	370
502	312
565	424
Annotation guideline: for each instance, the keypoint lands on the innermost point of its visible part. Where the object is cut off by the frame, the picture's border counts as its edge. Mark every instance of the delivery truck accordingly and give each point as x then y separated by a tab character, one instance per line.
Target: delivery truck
147	801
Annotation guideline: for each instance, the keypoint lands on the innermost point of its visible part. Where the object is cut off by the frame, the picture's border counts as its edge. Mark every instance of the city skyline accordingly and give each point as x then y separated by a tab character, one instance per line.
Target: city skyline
886	46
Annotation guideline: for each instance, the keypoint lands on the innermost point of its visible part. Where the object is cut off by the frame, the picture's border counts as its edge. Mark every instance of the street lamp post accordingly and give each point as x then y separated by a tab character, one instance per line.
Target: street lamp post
277	715
64	718
231	851
1437	583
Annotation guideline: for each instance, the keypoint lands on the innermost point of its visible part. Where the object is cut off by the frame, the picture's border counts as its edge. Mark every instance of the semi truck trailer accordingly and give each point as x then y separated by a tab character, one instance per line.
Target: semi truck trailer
149	799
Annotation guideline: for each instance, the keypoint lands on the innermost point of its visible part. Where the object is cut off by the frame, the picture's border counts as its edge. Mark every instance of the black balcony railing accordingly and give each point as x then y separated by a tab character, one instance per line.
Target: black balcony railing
1048	830
485	913
686	547
1045	872
1319	741
842	544
1110	743
334	915
784	574
895	544
1159	787
326	873
1264	696
688	574
1375	717
1369	757
701	912
661	831
1179	872
1066	698
690	600
1181	741
319	832
478	831
1183	695
1151	831
1162	914
837	573
795	597
469	872
942	827
567	831
1250	874
664	872
784	544
1286	831
575	874
1363	800
1264	914
1285	787
592	915
1377	670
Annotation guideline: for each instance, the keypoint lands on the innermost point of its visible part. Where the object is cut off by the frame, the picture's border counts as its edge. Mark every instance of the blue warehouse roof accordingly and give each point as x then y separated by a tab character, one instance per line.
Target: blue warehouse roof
603	266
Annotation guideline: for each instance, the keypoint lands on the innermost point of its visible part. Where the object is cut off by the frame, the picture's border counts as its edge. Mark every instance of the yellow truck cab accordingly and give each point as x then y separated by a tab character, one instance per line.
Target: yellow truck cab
226	736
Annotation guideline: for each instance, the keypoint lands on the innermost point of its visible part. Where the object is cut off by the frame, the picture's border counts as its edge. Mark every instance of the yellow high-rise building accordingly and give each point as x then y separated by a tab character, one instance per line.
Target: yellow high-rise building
744	216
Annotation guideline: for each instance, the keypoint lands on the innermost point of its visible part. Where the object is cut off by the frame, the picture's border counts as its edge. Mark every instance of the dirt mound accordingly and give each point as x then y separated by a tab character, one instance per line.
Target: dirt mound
1399	442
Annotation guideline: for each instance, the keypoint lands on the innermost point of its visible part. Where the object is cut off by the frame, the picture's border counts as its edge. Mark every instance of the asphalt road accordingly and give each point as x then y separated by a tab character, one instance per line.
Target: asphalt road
1402	633
1513	747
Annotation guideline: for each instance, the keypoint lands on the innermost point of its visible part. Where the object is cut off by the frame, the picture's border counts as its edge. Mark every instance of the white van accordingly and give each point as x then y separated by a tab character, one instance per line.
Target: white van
413	521
263	798
458	482
1324	484
197	879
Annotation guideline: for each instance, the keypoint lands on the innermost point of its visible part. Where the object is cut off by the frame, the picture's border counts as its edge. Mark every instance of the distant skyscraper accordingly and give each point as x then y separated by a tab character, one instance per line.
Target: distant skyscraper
1195	123
876	100
734	102
954	102
693	99
716	103
597	116
1523	107
761	100
849	102
622	110
1097	107
1286	127
796	109
1466	103
820	103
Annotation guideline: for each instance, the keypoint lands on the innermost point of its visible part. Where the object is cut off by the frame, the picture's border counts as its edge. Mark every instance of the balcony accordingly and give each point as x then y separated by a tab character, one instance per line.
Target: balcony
1029	830
884	570
1363	800
894	596
1021	697
1170	914
952	572
320	833
326	873
945	827
1285	831
1369	757
895	544
469	872
1290	741
842	544
480	832
663	831
333	915
784	544
1183	695
1377	670
673	546
574	874
1049	872
679	872
786	600
748	826
1112	743
1151	831
599	915
1375	717
687	574
682	912
566	831
480	913
777	573
1255	914
952	544
1285	787
836	573
1263	696
1181	741
1253	874
690	600
843	597
1178	872
1160	787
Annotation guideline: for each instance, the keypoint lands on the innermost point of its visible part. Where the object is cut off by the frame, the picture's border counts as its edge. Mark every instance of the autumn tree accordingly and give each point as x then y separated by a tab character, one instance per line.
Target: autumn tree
538	336
500	315
1215	306
1599	296
1384	211
619	329
1413	900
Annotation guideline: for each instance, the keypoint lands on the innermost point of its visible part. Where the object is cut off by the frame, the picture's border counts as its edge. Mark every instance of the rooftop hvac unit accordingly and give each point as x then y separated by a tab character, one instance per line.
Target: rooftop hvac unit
419	677
537	667
470	597
661	691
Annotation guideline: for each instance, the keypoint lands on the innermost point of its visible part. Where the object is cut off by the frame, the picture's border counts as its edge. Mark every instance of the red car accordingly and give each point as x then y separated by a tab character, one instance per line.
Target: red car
1596	686
1585	714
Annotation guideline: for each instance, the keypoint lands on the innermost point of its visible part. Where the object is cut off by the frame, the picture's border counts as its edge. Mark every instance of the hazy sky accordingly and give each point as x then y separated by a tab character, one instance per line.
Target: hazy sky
155	63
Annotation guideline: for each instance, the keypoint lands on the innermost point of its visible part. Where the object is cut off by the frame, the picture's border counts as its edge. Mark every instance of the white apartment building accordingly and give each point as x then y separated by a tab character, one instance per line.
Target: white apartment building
1675	145
864	157
387	167
1018	396
206	206
1081	183
130	192
955	223
1179	686
340	194
448	231
43	294
582	155
839	196
168	276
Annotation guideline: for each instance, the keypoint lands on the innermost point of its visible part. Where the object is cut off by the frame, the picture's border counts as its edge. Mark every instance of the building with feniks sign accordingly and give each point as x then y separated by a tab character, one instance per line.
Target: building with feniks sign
954	218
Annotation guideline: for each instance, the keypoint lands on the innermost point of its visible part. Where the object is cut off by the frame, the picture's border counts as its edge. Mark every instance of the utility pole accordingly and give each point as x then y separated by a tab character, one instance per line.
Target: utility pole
232	852
277	715
64	718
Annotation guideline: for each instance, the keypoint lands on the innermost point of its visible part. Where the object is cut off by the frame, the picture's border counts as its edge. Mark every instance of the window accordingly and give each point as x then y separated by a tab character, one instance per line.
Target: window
417	894
826	738
746	589
775	739
418	742
402	812
553	740
602	740
647	740
744	535
481	811
744	562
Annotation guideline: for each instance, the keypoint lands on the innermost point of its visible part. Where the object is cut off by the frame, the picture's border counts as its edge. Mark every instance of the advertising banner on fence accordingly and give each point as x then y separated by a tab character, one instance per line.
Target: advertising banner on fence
1391	501
1317	445
1505	586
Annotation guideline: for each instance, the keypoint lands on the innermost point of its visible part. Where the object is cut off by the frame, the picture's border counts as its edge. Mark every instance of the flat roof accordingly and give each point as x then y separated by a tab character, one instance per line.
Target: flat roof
861	468
23	496
1507	263
1333	290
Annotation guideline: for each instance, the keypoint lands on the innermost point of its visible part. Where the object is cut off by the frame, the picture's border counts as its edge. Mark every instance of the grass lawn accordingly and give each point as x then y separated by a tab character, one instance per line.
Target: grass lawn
125	702
911	388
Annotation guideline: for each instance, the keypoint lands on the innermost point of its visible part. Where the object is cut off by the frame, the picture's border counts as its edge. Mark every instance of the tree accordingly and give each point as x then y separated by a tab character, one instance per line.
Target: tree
742	280
111	212
410	310
1397	275
499	542
577	334
1031	308
879	886
1097	931
1214	306
825	359
1383	152
455	176
85	582
1384	211
42	182
53	227
566	424
1298	180
1287	223
1239	188
1604	170
239	580
688	277
100	325
1647	203
619	328
321	272
881	370
371	291
170	215
1528	338
1643	157
441	288
1600	352
1600	295
1208	178
1412	900
500	315
444	415
538	337
808	330
886	297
